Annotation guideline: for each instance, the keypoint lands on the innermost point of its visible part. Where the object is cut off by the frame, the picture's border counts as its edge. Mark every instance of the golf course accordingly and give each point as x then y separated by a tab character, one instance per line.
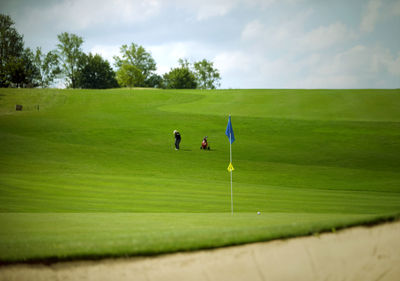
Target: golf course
88	174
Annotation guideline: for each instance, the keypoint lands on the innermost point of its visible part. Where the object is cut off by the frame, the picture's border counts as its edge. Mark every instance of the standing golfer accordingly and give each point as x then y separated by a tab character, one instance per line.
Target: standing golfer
177	139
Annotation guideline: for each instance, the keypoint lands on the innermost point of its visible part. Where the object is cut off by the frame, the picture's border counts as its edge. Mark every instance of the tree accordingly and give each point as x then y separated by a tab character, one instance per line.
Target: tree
14	72
154	81
135	66
207	76
129	76
31	71
181	77
70	54
96	73
22	71
48	67
11	51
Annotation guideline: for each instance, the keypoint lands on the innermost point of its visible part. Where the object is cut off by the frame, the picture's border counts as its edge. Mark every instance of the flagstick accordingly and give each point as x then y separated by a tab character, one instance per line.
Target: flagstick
230	153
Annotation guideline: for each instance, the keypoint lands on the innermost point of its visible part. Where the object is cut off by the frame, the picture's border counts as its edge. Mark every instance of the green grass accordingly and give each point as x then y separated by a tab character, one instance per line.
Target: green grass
93	173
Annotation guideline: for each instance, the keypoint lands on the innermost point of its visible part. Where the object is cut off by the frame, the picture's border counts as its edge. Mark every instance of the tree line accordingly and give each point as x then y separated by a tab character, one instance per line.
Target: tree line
135	67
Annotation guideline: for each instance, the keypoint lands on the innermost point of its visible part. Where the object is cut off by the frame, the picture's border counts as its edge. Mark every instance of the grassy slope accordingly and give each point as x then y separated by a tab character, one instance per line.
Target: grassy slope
103	160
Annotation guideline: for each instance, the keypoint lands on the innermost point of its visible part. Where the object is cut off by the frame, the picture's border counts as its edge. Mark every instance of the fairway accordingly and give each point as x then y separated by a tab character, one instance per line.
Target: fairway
94	173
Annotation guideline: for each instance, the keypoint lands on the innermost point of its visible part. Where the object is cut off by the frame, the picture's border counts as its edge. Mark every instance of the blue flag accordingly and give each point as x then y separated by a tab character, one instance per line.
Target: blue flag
229	131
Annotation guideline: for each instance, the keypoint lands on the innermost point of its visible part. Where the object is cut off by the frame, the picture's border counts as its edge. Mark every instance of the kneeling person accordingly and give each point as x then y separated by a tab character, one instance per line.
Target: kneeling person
204	144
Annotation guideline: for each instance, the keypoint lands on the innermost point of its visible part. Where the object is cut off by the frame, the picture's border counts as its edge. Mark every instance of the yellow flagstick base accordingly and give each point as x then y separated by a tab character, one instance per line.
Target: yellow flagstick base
230	169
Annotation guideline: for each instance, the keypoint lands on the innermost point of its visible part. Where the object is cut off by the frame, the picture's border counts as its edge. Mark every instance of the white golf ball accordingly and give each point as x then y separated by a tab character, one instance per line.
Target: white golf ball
258	213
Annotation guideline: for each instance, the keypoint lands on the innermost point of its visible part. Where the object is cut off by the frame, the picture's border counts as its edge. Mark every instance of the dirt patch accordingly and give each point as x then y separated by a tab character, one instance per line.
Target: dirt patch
359	253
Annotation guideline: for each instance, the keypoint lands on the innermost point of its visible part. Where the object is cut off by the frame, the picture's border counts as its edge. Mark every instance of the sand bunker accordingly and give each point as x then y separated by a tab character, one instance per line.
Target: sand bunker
359	253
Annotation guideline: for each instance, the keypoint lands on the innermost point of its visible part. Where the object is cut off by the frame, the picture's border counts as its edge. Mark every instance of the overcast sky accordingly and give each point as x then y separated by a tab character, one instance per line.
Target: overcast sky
253	43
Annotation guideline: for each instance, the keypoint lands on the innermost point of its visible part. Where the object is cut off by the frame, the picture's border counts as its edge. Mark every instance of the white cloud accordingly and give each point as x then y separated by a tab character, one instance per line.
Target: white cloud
233	62
282	35
358	67
253	30
207	9
264	4
335	81
291	36
326	36
238	69
394	66
363	61
81	14
213	8
348	62
167	55
203	10
370	15
290	54
395	8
